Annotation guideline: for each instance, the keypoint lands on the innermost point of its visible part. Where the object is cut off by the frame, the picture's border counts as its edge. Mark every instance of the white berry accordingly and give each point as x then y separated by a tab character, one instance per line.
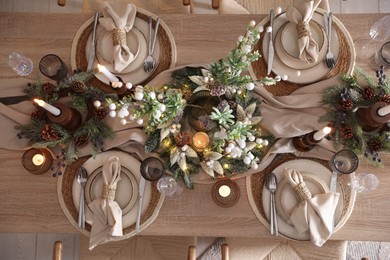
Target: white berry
112	113
97	103
112	106
123	121
129	85
140	121
252	23
250	86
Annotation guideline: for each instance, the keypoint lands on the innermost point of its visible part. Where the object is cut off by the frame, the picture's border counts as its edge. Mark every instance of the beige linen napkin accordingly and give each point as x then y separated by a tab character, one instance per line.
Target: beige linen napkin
301	13
313	213
107	215
119	21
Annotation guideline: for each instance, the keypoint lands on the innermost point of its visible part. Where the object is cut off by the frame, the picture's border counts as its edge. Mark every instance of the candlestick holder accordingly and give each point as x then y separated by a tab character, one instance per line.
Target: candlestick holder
40	166
305	143
230	198
119	91
370	119
69	118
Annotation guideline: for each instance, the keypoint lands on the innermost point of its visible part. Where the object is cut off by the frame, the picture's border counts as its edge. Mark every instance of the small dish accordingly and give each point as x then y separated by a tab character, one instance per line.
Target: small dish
136	42
321	173
305	76
286	45
286	200
126	192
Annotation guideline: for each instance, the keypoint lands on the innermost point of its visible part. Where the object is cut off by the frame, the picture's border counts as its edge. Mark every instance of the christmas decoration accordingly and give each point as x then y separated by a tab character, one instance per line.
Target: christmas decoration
217	101
350	103
43	133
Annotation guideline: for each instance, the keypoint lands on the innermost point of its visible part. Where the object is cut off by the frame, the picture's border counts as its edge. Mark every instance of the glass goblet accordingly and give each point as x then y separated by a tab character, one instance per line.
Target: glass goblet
168	186
364	182
151	169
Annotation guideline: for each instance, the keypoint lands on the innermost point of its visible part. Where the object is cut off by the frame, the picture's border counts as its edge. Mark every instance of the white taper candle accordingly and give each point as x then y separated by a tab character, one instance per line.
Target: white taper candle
111	77
52	109
321	133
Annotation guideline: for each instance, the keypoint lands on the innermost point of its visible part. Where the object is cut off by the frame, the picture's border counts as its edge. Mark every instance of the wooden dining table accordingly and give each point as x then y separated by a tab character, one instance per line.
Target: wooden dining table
29	203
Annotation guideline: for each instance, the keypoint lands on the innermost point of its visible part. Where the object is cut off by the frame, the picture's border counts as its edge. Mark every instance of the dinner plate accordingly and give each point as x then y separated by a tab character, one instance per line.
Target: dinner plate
136	42
304	165
288	50
129	162
304	76
126	193
285	196
134	73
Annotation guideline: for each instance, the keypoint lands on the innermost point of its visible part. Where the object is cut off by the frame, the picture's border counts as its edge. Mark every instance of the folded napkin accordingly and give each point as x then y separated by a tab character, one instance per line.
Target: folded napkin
313	213
119	21
107	215
301	13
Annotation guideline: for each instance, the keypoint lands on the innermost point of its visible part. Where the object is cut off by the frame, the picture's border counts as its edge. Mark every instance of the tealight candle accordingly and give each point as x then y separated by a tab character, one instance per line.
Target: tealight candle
384	110
322	133
200	140
224	191
38	159
111	77
52	109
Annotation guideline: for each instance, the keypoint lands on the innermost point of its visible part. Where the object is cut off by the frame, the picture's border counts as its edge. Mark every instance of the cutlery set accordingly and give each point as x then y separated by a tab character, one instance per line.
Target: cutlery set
149	62
82	180
330	59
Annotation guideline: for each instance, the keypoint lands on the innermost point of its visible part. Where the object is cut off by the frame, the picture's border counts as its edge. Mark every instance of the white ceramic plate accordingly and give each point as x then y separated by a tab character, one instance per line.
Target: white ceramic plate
304	165
137	75
126	194
288	51
306	76
136	42
130	163
285	198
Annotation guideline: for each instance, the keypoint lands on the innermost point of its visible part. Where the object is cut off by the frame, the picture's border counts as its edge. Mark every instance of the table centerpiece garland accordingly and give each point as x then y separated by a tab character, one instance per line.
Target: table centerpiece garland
355	92
225	109
42	133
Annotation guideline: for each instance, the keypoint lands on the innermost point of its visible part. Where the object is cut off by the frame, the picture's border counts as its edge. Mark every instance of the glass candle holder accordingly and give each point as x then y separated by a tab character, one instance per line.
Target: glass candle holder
37	161
151	169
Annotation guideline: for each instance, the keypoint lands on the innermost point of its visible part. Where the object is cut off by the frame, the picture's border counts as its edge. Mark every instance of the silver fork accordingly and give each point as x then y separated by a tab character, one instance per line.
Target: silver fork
81	179
150	63
329	58
272	186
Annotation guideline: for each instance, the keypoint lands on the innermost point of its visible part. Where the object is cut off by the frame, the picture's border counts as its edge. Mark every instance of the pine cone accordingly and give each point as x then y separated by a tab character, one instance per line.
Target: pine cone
81	140
346	132
374	145
48	88
99	113
385	98
346	104
187	94
217	90
368	93
38	114
79	87
182	139
48	133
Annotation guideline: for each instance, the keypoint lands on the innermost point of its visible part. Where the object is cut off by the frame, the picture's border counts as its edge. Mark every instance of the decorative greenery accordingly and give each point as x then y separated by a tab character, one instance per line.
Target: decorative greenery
236	141
41	132
357	91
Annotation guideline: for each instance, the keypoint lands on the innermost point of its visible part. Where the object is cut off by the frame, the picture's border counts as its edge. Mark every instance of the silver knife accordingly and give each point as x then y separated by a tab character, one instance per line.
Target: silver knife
141	196
91	54
271	44
333	182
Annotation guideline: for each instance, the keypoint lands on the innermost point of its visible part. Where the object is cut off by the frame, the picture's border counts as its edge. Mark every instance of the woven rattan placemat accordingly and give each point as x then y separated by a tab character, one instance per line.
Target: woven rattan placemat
166	60
255	183
345	62
64	192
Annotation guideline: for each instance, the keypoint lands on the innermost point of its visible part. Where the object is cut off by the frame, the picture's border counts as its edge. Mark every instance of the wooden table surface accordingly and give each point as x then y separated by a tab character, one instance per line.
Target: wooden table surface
29	203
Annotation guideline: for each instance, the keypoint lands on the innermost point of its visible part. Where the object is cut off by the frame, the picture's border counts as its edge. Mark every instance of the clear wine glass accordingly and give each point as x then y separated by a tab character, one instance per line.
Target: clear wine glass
168	186
364	182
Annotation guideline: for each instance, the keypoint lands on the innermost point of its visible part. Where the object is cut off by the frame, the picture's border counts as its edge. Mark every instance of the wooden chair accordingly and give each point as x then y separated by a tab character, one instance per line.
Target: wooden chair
224	252
61	2
214	3
57	250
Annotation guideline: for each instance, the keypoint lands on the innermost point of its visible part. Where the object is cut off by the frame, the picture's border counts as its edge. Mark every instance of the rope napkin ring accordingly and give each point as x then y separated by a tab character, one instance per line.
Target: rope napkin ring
303	29
119	37
108	192
302	191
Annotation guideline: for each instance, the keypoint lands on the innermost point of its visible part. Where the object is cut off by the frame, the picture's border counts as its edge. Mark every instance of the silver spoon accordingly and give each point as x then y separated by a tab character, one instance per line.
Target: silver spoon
271	186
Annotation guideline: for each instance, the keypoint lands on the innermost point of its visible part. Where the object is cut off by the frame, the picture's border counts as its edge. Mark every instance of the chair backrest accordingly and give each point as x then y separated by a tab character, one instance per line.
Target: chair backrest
57	250
191	255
